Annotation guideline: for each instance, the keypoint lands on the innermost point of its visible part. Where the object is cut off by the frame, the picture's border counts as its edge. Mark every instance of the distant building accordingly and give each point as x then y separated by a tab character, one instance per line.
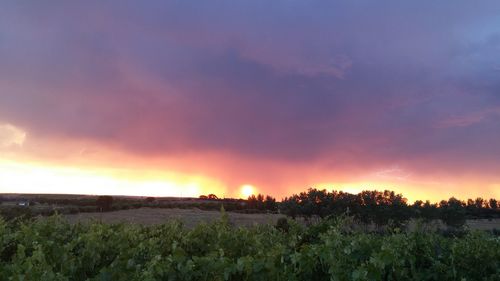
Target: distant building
23	203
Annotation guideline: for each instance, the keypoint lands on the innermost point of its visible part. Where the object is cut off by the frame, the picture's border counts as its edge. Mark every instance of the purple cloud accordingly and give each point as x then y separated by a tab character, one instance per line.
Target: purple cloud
365	84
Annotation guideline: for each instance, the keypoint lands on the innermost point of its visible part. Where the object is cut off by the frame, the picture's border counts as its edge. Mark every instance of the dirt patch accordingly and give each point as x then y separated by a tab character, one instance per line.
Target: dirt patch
484	224
190	217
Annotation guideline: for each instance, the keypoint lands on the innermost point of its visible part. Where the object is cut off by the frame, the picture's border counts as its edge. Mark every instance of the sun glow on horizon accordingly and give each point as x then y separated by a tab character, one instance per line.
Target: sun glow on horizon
34	177
31	178
247	190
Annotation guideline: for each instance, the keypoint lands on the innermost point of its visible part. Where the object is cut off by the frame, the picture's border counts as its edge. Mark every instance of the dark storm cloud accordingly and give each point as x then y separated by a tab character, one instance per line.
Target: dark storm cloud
367	83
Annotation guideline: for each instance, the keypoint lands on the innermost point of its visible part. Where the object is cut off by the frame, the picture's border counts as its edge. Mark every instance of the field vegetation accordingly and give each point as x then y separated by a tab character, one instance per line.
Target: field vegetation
53	249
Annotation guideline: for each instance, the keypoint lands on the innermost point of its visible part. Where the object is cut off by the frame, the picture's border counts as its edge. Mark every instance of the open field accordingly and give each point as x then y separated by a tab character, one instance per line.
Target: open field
484	224
190	217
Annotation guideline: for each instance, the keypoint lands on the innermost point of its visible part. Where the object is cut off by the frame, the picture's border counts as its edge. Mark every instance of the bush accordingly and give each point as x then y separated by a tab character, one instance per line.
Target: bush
282	224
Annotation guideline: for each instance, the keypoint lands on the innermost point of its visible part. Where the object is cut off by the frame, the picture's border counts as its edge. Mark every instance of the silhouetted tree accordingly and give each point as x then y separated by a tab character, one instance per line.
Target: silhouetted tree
493	204
252	202
270	203
290	206
261	202
452	212
212	197
256	202
427	211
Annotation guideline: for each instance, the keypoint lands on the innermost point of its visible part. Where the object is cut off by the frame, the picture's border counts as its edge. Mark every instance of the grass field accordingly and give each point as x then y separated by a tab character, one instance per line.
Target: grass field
192	217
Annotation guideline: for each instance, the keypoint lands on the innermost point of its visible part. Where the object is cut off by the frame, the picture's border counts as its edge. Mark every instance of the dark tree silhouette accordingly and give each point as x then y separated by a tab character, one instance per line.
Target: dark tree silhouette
452	212
270	203
493	204
380	208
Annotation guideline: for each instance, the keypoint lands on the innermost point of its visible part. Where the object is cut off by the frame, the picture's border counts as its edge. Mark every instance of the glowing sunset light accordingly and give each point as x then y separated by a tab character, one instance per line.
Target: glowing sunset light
247	190
25	178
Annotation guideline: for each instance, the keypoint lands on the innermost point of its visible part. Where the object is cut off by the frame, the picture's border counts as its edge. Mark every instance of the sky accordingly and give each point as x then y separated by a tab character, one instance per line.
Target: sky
182	98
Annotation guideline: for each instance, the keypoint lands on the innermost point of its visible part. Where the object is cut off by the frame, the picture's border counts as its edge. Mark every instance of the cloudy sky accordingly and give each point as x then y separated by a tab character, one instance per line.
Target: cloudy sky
190	97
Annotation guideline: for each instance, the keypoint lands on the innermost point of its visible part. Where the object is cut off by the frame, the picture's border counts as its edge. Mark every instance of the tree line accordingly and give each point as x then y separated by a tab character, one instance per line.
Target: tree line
377	207
382	207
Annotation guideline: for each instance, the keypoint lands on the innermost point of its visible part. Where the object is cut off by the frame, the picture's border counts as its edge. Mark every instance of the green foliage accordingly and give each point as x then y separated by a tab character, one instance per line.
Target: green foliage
51	249
224	218
282	224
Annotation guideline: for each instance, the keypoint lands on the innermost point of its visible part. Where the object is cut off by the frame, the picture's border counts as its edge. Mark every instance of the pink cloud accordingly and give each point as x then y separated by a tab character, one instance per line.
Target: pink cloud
468	119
